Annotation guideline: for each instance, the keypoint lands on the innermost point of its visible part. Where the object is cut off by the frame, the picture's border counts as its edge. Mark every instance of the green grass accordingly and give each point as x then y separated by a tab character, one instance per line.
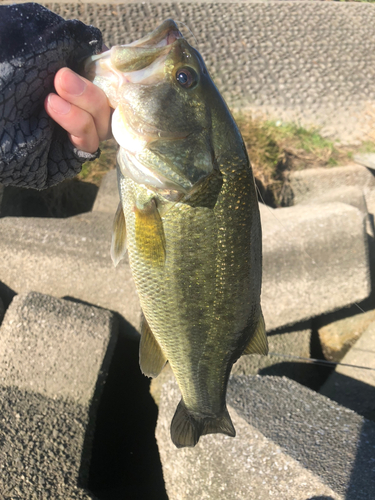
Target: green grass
274	149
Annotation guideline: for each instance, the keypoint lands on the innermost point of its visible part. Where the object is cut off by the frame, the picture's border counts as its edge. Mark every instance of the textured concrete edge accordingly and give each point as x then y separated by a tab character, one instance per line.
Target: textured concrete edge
125	2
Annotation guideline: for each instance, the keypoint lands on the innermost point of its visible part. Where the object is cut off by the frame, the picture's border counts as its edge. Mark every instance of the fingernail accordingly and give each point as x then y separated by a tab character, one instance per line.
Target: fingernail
59	105
72	83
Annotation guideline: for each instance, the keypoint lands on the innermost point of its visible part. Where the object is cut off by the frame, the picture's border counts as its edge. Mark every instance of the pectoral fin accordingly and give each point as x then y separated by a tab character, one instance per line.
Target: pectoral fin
258	343
118	245
151	357
149	234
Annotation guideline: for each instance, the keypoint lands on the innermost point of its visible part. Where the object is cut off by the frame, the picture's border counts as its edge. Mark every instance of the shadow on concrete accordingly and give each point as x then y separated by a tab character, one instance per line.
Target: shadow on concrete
353	394
320	498
7	294
125	460
308	374
362	480
71	197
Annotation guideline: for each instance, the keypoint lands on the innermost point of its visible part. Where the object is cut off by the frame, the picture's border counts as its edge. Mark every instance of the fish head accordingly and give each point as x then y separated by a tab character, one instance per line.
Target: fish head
163	98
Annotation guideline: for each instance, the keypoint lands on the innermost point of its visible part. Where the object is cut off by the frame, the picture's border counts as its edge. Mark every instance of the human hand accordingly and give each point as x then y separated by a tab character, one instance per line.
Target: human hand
81	108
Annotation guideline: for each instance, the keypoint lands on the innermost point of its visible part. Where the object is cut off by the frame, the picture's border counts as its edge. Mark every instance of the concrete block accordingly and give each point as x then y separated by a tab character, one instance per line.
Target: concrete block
315	260
108	198
40	447
55	347
352	195
330	441
355	387
365	159
54	360
337	338
67	257
253	465
312	182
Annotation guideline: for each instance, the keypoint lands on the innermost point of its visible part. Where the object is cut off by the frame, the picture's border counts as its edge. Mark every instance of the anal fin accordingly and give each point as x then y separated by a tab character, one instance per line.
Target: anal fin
118	245
258	343
149	234
151	357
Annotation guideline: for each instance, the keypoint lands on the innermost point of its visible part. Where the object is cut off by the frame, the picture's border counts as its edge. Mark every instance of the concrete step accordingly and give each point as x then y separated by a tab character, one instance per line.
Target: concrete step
355	387
315	260
67	258
108	197
291	443
314	183
54	359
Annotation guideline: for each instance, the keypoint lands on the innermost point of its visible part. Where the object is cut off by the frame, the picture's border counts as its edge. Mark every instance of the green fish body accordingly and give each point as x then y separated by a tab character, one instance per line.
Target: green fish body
189	218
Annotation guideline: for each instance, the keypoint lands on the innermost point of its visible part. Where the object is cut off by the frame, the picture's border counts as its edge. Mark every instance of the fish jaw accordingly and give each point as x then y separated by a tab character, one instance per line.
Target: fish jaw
141	61
137	78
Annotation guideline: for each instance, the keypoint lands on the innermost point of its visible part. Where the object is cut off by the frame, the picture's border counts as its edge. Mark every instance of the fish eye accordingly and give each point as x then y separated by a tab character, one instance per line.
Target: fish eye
187	77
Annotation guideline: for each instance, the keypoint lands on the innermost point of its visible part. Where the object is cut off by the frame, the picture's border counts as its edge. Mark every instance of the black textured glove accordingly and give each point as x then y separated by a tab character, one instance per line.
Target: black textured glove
35	43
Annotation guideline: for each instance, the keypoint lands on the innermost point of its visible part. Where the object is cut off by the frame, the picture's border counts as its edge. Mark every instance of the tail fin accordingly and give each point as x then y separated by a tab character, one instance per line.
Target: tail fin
186	428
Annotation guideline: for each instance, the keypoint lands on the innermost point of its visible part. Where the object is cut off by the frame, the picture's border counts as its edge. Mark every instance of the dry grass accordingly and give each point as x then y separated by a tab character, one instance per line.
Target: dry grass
274	149
94	171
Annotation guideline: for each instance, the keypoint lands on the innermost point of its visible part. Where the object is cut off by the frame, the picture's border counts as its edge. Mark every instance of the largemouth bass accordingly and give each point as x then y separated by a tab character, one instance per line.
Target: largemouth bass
189	219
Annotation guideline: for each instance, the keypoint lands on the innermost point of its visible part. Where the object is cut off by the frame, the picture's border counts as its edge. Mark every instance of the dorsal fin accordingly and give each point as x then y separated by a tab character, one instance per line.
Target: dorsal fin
151	357
258	343
118	245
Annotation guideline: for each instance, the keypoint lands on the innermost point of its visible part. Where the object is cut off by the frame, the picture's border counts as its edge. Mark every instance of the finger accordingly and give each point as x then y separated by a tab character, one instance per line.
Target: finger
77	122
87	96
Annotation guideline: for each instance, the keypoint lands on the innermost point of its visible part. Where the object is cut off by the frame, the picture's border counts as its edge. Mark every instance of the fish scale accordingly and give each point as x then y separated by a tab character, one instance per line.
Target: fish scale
192	222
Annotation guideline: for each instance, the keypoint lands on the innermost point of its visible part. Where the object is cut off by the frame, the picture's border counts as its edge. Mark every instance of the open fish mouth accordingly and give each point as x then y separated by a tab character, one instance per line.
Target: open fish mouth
141	61
119	71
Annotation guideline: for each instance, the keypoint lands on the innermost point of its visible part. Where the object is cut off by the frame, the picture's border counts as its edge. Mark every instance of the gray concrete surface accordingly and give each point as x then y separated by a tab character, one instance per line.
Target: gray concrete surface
365	159
54	359
247	467
308	62
108	197
67	257
55	347
351	195
315	260
40	447
329	440
307	185
355	387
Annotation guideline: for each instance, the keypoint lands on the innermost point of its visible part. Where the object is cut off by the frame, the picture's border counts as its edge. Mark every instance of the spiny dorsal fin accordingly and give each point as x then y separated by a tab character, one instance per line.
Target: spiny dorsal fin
149	234
118	245
151	357
258	343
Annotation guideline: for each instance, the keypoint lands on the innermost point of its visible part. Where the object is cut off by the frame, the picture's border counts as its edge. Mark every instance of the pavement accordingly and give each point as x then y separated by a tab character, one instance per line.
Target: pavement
309	62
